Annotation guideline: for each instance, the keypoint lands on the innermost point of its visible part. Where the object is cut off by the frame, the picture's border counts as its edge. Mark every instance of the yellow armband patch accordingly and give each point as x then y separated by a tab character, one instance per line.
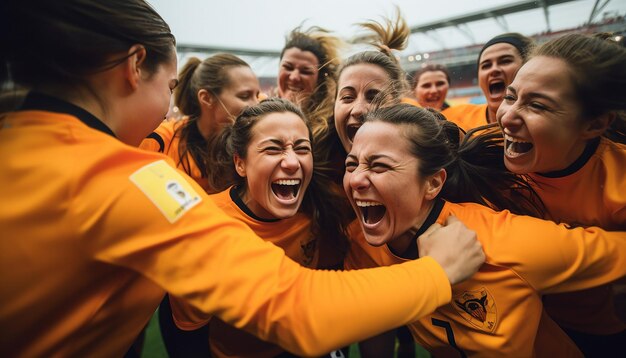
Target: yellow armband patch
166	188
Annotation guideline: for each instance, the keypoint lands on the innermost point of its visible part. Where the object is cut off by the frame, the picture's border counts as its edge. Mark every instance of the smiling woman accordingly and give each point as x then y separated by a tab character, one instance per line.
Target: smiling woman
398	191
557	117
268	149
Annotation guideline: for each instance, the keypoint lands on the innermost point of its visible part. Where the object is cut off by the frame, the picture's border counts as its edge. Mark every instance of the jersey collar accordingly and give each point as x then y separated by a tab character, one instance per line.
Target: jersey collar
41	102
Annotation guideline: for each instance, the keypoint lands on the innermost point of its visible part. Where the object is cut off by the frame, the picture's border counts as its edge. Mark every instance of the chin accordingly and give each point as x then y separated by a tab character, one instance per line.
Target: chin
375	240
284	213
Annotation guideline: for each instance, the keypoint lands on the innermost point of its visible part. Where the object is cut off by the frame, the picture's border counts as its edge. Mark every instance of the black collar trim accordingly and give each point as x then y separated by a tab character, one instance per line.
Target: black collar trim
590	149
412	252
41	102
236	198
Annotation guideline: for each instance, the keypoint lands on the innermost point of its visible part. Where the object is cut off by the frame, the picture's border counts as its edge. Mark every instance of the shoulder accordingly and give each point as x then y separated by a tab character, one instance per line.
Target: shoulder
161	138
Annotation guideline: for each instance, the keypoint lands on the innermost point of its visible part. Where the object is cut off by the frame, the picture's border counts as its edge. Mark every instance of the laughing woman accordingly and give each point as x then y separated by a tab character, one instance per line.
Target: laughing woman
498	62
398	191
269	150
557	118
306	75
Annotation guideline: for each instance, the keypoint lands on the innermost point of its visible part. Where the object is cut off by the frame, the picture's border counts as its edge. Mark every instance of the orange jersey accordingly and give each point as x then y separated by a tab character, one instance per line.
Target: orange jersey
590	193
498	311
292	235
97	231
166	139
467	116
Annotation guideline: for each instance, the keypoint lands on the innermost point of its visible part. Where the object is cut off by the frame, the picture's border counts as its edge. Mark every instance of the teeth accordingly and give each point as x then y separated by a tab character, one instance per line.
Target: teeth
515	147
287	182
362	203
511	139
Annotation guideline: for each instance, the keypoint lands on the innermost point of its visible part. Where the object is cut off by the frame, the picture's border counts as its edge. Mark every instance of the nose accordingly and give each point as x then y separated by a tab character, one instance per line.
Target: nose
359	108
495	68
294	75
358	180
508	115
290	161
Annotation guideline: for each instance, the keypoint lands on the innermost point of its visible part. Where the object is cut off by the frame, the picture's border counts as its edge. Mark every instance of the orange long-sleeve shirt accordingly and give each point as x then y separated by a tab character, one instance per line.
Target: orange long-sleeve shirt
166	139
498	311
94	231
592	192
467	116
292	235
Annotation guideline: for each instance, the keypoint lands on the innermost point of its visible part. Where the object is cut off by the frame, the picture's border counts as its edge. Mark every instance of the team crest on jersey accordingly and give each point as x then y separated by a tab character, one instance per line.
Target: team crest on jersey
478	308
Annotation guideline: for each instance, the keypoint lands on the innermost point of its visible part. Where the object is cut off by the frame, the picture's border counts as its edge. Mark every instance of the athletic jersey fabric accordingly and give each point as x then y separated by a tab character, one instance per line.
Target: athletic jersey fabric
467	116
292	235
97	230
166	139
498	311
591	192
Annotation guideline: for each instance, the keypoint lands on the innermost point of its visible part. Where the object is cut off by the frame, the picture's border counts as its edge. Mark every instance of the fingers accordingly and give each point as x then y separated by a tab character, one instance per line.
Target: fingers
451	219
432	228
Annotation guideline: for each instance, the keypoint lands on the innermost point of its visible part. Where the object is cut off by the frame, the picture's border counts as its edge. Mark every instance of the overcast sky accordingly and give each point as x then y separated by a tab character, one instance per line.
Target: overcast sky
263	24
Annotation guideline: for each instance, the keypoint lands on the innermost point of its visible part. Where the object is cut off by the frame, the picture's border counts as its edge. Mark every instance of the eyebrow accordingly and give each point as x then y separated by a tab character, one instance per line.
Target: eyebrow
497	58
280	142
536	95
372	157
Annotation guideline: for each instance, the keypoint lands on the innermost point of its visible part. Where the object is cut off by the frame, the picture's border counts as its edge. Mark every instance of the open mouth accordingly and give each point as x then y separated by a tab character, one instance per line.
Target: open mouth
515	147
286	189
351	130
372	212
497	88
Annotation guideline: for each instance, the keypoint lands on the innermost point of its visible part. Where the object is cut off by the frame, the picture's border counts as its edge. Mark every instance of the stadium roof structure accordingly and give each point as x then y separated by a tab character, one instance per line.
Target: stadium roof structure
445	34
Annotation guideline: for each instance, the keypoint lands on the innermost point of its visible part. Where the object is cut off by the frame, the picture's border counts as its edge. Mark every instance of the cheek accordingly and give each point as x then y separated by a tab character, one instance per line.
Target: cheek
482	78
282	77
340	117
307	166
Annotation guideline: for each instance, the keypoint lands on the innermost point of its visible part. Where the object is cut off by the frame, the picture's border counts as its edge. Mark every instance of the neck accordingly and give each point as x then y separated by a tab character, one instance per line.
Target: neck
491	114
206	125
405	245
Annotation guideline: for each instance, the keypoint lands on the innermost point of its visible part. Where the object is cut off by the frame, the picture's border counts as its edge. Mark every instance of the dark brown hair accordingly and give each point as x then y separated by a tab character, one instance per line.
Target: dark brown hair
474	164
62	42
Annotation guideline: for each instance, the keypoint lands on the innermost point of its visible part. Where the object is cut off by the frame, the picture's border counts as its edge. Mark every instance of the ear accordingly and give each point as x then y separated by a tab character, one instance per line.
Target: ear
135	57
240	165
434	184
597	126
205	98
